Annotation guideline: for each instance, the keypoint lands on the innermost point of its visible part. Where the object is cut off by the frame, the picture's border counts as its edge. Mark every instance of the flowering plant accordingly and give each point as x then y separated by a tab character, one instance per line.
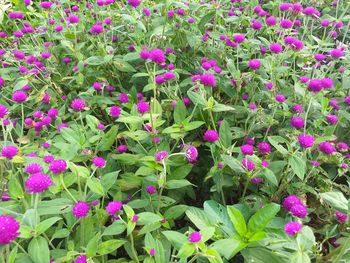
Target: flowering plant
174	131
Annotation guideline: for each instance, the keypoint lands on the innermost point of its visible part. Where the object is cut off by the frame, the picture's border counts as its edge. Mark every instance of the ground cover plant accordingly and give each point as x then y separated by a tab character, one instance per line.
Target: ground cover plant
174	131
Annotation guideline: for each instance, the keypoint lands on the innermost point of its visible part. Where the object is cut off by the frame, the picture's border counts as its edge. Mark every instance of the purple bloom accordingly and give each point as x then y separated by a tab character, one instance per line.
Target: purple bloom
292	228
247	149
115	111
19	96
152	252
9	229
151	189
122	148
134	3
38	183
81	209
299	210
254	64
159	156
248	164
297	122
78	104
3	111
336	53
264	148
290	201
280	98
114	207
211	136
332	119
326	148
81	259
99	162
208	79
191	153
33	168
239	38
315	85
9	151
195	237
73	19
58	166
306	141
341	217
143	107
123	98
157	56
257	180
275	48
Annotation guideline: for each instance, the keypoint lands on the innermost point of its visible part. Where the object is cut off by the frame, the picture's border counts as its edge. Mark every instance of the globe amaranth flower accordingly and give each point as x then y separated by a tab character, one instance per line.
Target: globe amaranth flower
332	119
151	189
195	237
275	48
19	96
292	228
347	100
78	104
211	136
280	98
143	107
290	201
123	98
191	153
297	122
254	64
326	148
342	147
9	229
257	180
299	210
336	53
157	56
33	168
99	162
80	209
134	3
264	148
208	79
248	164
122	148
341	217
73	19
9	151
152	252
3	111
247	149
38	183
81	259
115	111
306	141
159	156
114	207
58	166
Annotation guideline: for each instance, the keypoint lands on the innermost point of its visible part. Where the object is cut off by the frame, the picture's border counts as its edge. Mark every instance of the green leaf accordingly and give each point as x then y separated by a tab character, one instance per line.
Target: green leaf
95	185
225	134
336	199
44	225
193	125
92	122
109	139
108	180
62	233
233	163
229	247
31	218
205	19
270	176
109	246
12	255
198	217
92	246
116	228
262	217
237	220
257	236
176	239
95	60
55	206
38	250
180	112
70	136
221	107
123	66
15	188
175	212
20	84
275	140
148	218
175	184
186	250
298	166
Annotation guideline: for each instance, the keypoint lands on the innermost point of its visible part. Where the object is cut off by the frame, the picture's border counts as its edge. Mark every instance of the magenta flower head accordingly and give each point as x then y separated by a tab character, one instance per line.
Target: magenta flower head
9	228
3	111
336	53
157	56
297	122
211	136
58	166
122	148
9	151
341	217
81	209
290	201
195	237
81	259
306	141
46	4
248	164
151	189
73	19
38	183
257	180
78	104
275	48
134	3
254	64
114	207
191	153
280	98
342	147
326	148
239	38
208	79
332	119
19	96
152	252
143	107
292	228
247	149
123	98
115	111
264	148
299	210
99	162
159	156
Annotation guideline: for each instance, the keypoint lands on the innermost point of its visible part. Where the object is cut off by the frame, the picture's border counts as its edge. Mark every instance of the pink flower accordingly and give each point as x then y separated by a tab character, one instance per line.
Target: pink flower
123	98
264	148
292	228
122	148
247	149
211	136
191	153
81	209
248	164
9	151
157	56
297	122
99	162
159	156
134	3
299	210
326	148
143	107
81	259
195	237
33	168
208	79
254	64
341	217
276	48
58	166
38	183
290	201
9	228
114	207
19	96
115	111
3	111
78	104
306	141
151	189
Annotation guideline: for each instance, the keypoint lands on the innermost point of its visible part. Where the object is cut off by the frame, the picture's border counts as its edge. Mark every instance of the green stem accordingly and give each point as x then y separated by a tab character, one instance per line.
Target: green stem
65	188
133	248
